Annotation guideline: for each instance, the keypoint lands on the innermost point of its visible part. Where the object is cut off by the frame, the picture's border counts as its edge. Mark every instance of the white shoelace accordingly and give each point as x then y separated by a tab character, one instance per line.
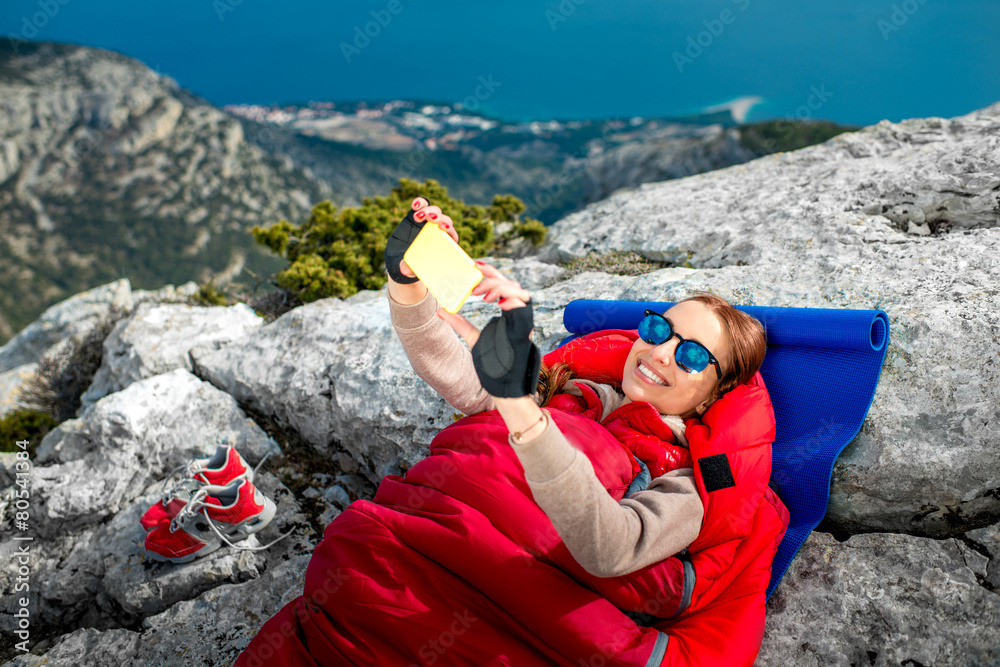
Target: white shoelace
197	502
190	469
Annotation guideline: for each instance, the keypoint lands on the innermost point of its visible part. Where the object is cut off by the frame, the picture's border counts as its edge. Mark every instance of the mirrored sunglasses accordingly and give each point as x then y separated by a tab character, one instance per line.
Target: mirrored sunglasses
691	356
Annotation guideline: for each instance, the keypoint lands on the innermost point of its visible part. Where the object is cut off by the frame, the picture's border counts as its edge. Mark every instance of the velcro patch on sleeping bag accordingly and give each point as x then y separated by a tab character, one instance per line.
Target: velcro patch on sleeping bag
716	473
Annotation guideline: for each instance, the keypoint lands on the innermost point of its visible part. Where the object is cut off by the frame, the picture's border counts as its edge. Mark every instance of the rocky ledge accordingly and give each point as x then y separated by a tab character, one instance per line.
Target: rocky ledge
902	217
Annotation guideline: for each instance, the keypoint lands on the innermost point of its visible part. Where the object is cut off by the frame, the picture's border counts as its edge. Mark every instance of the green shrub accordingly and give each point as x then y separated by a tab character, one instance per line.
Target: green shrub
533	230
210	294
25	424
776	136
339	252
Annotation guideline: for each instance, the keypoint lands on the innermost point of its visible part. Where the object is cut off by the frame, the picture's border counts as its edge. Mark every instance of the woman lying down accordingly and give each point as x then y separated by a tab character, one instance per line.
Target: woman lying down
607	504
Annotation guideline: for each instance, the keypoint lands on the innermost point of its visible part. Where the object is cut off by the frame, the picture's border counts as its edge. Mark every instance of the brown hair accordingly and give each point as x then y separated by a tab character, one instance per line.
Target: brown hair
551	380
746	337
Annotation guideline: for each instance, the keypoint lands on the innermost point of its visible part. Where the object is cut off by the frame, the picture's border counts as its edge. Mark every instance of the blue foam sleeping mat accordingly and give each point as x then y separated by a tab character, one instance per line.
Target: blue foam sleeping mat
821	370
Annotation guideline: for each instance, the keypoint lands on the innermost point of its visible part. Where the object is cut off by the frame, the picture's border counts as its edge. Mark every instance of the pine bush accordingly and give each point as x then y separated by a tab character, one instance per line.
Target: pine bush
337	252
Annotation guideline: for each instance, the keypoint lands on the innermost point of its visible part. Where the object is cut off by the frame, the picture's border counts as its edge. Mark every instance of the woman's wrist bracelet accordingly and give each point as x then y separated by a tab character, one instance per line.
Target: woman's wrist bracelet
518	435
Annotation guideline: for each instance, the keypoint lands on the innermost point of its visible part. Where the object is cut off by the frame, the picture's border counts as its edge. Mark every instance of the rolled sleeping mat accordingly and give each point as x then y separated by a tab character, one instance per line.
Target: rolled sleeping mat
821	370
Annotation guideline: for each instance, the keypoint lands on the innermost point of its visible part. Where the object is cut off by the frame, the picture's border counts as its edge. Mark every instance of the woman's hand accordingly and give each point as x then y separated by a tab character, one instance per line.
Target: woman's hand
506	360
399	242
404	287
496	287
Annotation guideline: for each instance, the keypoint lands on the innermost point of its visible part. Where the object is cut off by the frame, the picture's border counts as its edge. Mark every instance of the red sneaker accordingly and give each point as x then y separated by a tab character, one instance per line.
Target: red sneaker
214	515
220	469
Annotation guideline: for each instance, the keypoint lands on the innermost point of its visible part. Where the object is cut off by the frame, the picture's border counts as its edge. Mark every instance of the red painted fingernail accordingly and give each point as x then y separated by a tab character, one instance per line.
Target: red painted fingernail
415	202
434	216
419	215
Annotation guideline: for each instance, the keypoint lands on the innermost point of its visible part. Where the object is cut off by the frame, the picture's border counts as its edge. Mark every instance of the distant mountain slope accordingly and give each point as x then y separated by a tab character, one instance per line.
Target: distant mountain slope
108	169
556	167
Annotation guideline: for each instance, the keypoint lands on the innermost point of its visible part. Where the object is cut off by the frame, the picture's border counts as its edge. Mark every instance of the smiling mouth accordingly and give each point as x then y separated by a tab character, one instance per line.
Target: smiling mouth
642	369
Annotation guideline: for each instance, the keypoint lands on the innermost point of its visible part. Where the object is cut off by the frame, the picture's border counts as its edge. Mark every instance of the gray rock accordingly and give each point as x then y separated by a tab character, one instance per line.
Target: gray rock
211	629
334	371
10	159
881	599
328	515
902	214
809	229
86	647
215	627
10	387
166	294
157	338
8	462
988	540
103	576
337	496
530	272
66	320
89	565
94	465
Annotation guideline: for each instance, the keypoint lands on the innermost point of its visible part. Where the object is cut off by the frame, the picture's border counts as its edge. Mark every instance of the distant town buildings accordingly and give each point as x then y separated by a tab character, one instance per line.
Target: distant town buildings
400	124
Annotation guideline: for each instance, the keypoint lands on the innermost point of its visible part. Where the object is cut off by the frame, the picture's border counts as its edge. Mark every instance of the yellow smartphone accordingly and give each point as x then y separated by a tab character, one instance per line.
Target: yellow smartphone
441	264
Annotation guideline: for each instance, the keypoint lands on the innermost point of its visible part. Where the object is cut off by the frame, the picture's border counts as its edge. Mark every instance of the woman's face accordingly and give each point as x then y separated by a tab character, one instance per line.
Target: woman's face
678	392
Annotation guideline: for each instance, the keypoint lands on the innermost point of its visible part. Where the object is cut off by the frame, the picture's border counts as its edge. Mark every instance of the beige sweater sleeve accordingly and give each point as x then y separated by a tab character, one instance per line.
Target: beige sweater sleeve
438	355
608	538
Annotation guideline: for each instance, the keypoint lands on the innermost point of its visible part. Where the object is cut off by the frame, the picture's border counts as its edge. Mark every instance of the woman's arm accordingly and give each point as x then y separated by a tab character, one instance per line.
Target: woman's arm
435	352
607	538
406	295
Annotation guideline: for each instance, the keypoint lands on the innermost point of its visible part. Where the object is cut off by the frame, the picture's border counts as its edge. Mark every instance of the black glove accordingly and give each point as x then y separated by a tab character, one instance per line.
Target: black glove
399	242
506	361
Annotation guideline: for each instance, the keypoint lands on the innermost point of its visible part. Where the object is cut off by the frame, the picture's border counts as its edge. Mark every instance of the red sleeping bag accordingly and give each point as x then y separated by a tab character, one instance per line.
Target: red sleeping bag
455	564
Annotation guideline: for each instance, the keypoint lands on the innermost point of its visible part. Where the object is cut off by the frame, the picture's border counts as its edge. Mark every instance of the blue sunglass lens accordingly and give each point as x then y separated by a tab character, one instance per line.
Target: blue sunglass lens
654	330
692	357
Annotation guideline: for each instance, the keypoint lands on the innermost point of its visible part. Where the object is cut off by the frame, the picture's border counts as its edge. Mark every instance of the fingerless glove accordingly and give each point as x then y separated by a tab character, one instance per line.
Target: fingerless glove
506	361
399	242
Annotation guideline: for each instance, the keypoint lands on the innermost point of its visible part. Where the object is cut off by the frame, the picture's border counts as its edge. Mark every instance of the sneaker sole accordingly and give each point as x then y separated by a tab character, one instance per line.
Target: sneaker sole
210	547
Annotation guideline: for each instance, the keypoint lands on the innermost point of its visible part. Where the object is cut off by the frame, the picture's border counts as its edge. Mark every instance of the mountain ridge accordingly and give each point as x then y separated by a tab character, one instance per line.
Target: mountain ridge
109	169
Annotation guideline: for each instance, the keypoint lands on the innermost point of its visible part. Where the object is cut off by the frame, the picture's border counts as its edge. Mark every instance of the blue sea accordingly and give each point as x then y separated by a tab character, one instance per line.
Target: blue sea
852	61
